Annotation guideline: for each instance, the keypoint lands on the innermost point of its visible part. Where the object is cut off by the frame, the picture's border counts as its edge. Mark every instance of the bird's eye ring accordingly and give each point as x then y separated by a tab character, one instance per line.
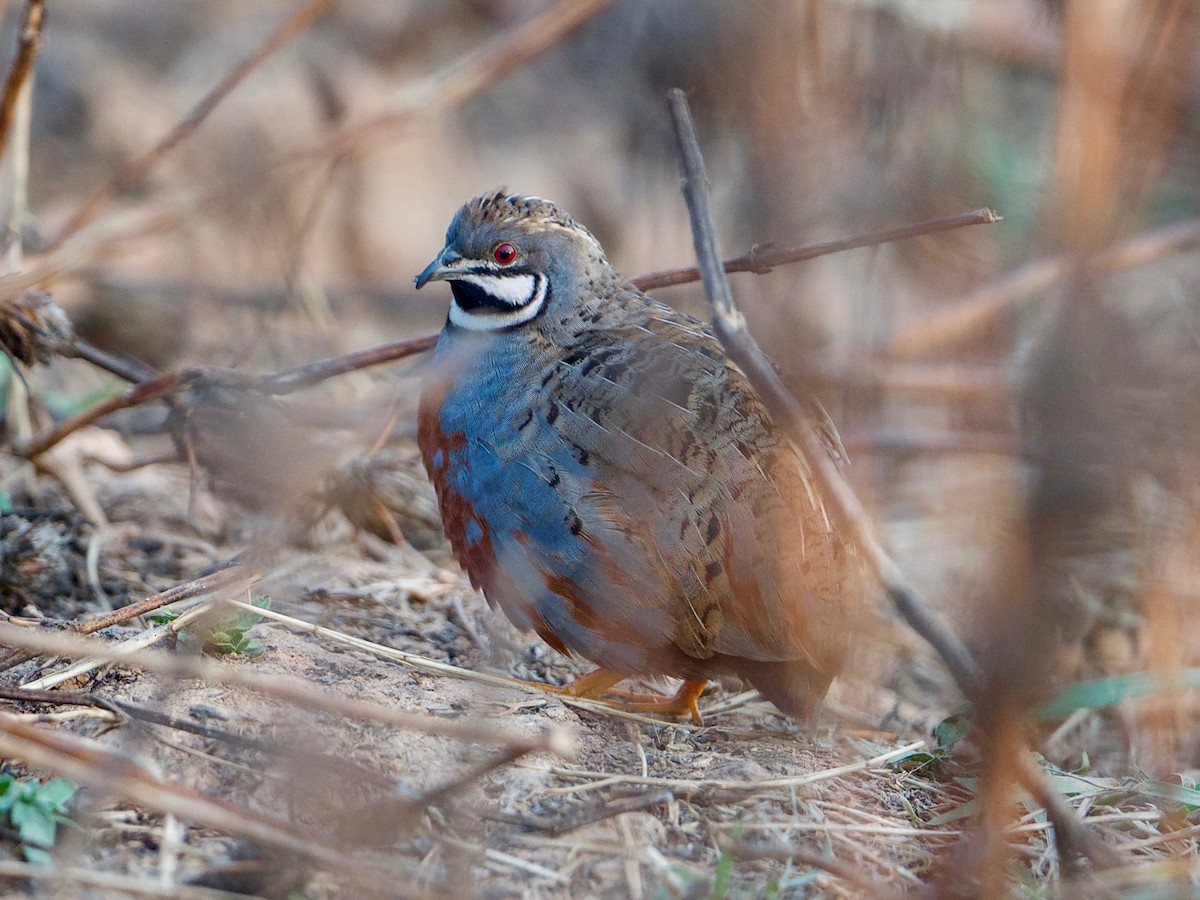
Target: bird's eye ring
504	253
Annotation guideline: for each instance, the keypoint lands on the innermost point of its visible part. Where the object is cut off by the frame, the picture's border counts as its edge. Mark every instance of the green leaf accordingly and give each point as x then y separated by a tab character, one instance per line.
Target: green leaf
162	617
55	793
64	406
33	824
1189	797
969	808
722	876
8	792
1103	692
950	731
36	855
253	647
226	634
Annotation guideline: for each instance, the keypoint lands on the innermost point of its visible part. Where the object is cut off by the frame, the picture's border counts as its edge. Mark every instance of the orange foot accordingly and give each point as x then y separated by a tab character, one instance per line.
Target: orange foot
596	686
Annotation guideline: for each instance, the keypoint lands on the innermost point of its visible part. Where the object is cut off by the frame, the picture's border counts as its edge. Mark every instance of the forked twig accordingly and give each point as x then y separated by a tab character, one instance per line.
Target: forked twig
455	86
846	510
444	91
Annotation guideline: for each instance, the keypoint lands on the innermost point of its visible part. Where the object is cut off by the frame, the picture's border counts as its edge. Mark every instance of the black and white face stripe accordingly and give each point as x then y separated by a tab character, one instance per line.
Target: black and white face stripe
488	301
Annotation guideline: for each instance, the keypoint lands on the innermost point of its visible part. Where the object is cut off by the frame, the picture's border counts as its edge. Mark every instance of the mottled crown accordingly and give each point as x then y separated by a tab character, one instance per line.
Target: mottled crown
501	209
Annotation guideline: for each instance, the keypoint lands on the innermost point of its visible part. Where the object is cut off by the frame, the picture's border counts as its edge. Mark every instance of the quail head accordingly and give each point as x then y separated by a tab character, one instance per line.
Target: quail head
610	478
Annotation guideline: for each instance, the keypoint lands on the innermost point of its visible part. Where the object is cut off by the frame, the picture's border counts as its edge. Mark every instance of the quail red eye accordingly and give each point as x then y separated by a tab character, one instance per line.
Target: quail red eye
504	253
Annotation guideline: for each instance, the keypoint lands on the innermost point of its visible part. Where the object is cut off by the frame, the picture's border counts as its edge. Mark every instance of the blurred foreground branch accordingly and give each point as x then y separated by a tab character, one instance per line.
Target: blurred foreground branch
116	773
303	694
849	514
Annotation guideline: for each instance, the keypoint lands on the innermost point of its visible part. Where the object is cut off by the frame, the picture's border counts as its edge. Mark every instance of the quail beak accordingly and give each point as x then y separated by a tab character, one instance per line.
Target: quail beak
443	268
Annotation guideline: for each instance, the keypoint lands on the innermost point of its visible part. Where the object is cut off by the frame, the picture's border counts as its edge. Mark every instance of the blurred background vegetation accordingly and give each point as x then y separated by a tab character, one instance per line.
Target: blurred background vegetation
1020	401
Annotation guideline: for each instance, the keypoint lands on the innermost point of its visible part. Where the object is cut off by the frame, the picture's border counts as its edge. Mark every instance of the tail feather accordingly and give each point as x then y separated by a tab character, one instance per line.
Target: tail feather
796	687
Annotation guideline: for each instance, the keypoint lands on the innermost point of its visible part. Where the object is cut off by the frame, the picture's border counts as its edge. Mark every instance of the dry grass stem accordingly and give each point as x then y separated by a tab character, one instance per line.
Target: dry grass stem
89	763
718	784
434	667
288	689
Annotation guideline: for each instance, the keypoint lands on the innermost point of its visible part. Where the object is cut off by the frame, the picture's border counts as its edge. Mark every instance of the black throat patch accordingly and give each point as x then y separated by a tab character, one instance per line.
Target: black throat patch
471	297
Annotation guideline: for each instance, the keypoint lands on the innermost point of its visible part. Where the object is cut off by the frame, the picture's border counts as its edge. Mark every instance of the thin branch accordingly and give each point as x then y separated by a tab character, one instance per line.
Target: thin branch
137	169
315	372
730	327
186	591
848	513
980	309
28	46
168	384
763	258
205	584
128	368
156	388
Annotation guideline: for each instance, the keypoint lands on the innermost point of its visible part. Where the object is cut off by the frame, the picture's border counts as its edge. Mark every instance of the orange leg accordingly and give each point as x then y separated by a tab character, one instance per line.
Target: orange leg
683	702
596	686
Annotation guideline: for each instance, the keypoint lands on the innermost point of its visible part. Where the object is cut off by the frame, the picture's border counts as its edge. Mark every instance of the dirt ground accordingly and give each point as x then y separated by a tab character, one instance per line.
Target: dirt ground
631	806
635	806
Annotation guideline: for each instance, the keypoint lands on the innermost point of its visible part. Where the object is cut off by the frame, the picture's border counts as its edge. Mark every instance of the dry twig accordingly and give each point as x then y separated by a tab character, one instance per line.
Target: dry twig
186	591
763	258
89	763
847	511
150	385
27	50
